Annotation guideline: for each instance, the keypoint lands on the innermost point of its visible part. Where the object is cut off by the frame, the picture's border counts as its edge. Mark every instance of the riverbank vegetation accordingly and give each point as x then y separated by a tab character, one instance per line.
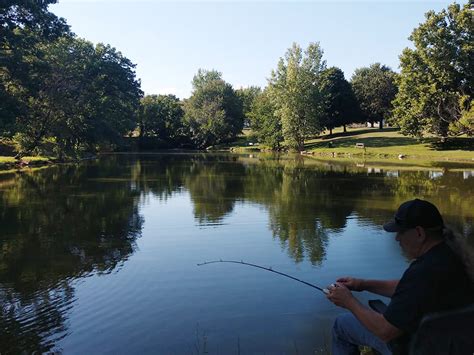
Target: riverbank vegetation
65	97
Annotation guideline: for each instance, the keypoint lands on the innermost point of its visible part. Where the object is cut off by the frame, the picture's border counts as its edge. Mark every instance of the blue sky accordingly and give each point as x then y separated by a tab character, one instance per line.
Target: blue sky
170	41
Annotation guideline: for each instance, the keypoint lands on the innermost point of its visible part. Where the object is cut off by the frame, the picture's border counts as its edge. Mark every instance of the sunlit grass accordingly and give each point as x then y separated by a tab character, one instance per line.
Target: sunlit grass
390	143
9	161
4	159
384	145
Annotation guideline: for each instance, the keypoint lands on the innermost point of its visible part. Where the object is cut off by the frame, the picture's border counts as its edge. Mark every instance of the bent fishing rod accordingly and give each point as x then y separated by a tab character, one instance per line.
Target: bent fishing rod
323	290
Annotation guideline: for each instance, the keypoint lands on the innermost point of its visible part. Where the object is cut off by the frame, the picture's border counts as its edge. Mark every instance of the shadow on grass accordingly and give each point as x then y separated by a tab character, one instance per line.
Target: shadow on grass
361	131
454	144
452	165
369	142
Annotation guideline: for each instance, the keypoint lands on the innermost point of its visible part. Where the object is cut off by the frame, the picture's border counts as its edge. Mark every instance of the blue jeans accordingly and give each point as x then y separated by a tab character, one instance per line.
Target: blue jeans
348	333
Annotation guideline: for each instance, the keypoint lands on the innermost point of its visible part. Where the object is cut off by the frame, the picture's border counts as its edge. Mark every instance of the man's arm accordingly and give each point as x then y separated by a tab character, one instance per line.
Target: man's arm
373	321
380	287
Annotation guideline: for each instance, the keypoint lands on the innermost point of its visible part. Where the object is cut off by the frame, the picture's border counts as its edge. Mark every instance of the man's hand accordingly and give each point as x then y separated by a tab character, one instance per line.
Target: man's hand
351	283
341	296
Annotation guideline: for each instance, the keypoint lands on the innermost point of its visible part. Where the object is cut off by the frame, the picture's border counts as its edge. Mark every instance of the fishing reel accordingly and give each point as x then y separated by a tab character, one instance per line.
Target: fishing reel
326	290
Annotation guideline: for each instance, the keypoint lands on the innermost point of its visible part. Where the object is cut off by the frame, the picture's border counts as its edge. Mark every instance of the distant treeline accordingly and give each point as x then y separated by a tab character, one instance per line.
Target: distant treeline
62	95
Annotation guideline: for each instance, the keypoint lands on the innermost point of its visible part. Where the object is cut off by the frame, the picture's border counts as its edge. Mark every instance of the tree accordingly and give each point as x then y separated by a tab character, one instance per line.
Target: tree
214	112
437	75
295	91
31	15
248	96
375	89
266	126
57	90
161	116
24	25
88	95
341	106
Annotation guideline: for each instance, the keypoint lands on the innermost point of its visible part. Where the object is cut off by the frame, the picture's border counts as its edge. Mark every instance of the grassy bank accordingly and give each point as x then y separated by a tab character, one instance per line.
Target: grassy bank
380	145
7	162
386	147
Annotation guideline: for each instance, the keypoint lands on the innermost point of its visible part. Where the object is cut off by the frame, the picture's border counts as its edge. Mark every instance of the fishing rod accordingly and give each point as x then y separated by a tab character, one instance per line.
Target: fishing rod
323	290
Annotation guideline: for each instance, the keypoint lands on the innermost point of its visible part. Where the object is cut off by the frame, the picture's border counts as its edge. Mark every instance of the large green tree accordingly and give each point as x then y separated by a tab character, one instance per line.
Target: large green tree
24	25
161	116
341	106
296	93
375	89
214	112
87	96
57	91
266	126
437	75
248	96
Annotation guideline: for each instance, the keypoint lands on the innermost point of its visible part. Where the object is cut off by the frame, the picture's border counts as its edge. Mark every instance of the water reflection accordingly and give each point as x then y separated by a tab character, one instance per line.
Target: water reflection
214	188
304	199
58	224
63	223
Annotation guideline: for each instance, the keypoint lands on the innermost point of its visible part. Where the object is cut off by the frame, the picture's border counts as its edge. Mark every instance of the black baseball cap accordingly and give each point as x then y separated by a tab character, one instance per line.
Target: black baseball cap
415	213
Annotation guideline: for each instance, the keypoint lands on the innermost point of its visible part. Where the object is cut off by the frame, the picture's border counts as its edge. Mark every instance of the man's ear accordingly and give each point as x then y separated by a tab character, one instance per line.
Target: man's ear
421	234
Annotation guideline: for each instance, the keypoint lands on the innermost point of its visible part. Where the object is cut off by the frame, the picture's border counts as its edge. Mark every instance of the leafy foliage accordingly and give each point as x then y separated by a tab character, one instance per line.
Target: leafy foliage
87	95
161	116
59	92
296	93
23	25
341	106
248	96
266	126
437	76
375	89
214	111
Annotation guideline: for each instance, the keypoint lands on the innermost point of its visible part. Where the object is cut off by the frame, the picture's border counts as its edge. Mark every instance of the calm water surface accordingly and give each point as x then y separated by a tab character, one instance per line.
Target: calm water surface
101	257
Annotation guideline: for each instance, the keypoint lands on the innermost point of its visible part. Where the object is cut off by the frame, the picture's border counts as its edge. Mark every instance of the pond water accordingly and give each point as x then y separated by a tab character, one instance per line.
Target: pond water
101	257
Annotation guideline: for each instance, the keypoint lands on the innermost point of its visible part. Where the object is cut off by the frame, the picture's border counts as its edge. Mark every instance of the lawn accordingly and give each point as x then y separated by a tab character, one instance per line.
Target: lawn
390	143
383	144
7	161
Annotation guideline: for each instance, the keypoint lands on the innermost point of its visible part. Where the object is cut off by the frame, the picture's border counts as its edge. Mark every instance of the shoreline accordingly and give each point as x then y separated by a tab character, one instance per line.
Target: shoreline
10	164
348	158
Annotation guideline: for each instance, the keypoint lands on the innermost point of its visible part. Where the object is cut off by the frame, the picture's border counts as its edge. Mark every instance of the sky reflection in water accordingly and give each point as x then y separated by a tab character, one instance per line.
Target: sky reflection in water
101	256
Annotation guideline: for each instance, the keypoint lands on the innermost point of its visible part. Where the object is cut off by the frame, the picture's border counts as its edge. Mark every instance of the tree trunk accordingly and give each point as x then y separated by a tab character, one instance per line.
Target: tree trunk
300	145
345	130
19	155
372	124
330	132
443	131
381	124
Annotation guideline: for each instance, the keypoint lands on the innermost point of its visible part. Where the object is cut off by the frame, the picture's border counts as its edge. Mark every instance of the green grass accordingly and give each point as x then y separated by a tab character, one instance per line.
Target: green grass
390	143
4	159
8	161
384	145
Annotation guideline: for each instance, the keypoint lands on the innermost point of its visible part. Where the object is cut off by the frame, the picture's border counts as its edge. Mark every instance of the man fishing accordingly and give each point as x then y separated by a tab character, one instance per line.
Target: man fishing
438	279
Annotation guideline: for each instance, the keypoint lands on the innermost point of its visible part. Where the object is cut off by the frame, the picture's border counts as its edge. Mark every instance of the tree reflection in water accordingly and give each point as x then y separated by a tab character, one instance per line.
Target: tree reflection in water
65	222
305	200
58	224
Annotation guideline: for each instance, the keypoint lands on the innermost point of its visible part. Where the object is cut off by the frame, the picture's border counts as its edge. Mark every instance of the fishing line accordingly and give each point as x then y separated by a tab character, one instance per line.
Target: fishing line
323	290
